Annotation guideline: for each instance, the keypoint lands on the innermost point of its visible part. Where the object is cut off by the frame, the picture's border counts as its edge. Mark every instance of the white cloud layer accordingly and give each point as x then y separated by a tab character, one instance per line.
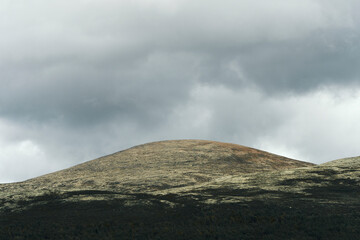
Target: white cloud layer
319	126
322	126
19	158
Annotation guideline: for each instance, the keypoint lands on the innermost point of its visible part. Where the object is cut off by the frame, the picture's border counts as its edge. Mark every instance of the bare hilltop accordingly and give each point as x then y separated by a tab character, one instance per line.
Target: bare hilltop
186	189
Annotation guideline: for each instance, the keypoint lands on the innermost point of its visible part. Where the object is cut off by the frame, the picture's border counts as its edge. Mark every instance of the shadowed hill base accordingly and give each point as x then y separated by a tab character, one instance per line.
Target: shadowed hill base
188	189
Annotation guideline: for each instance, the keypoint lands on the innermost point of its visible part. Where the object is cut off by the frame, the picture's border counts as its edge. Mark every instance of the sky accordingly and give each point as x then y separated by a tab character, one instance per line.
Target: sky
82	79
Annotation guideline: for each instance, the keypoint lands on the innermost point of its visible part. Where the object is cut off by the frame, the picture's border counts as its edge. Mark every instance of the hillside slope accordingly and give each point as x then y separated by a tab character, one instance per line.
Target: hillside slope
187	189
158	166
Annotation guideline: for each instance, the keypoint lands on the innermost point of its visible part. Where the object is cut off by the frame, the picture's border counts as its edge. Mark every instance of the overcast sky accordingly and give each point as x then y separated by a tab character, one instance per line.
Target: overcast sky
82	79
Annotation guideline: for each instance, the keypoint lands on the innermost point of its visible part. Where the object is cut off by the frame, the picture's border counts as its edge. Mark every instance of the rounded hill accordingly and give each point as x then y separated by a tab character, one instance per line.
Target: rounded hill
193	189
168	164
353	162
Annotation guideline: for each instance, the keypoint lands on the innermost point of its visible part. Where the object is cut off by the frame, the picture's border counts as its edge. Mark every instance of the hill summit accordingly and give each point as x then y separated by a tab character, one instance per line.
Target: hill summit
167	164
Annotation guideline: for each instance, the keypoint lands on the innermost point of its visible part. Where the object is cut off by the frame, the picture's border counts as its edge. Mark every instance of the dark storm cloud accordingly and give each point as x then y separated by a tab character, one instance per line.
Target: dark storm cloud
302	65
83	94
86	78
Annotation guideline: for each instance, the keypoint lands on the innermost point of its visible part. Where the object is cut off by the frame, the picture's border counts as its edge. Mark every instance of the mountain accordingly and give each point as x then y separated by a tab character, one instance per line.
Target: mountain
163	165
187	189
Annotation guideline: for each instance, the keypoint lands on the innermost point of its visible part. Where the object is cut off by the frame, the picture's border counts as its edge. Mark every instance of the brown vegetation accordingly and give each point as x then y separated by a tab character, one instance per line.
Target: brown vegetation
200	189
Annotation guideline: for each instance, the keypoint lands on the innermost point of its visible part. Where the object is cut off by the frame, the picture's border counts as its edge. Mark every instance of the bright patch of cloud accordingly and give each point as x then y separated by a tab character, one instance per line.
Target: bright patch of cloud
316	127
20	158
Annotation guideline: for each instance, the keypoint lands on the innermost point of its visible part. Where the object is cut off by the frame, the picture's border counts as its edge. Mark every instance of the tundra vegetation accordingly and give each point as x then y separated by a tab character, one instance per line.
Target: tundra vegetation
187	189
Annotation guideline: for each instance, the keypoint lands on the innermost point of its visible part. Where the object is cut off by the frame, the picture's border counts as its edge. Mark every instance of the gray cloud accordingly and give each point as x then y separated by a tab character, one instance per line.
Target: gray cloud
323	58
85	79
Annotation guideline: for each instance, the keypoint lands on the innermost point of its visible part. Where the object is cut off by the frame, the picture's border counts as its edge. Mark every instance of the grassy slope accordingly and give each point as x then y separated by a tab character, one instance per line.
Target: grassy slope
316	202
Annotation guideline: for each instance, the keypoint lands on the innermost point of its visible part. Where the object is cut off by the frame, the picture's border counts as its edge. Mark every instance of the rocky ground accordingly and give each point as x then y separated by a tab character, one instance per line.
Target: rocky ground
189	189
